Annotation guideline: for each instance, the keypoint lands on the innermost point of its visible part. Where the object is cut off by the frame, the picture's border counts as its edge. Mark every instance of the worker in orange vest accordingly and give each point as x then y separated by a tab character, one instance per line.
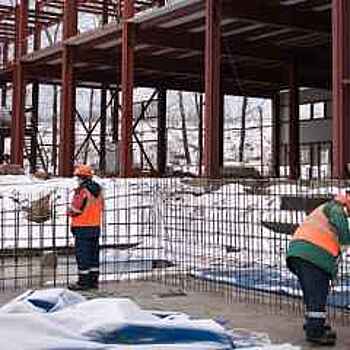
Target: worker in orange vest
313	256
86	213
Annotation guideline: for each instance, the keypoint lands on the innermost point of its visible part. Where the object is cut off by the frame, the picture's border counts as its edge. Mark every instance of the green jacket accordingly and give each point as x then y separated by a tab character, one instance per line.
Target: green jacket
338	218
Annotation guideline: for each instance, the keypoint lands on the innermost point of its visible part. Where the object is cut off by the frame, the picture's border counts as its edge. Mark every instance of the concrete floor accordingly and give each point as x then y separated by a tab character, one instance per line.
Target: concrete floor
282	327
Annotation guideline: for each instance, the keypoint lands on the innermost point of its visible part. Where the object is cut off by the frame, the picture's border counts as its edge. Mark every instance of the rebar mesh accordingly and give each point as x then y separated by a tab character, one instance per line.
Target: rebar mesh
227	236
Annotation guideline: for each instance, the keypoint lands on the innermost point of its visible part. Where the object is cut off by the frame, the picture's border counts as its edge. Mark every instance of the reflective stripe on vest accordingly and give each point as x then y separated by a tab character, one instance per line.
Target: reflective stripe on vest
317	230
91	215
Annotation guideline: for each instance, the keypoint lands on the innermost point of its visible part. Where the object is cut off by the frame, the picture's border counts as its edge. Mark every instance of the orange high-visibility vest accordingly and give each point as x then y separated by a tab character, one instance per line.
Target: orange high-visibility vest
317	230
92	213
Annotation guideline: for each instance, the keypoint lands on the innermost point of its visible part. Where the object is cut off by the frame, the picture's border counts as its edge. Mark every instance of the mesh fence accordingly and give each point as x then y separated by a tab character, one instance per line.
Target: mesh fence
224	236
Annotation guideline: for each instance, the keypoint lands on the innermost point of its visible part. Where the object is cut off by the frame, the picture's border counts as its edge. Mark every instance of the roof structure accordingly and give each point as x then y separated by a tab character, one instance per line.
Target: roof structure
259	39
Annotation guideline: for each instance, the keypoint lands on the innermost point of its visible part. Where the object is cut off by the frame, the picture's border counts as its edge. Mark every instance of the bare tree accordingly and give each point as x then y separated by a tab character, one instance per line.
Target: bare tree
243	129
198	100
52	39
183	127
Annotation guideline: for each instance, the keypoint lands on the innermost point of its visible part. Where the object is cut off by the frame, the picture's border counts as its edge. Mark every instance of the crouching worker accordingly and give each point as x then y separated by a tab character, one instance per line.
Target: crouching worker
313	256
86	215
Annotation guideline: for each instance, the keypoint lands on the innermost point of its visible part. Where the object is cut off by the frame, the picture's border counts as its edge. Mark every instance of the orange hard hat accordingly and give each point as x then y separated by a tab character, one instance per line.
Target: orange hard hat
83	171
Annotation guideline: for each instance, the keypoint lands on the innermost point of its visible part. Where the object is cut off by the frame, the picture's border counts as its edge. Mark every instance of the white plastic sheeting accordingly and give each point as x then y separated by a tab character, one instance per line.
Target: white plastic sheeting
62	320
58	319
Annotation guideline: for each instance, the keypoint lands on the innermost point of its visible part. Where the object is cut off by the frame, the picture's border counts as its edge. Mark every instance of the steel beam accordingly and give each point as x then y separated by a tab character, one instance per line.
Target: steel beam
19	86
127	82
294	138
341	88
162	131
67	122
212	88
276	15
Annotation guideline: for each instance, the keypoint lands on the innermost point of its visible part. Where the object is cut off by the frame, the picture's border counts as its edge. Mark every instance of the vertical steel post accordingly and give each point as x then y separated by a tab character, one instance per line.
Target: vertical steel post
162	131
103	125
35	98
68	105
115	115
19	86
294	138
103	129
276	135
4	92
212	88
4	64
105	12
341	88
127	82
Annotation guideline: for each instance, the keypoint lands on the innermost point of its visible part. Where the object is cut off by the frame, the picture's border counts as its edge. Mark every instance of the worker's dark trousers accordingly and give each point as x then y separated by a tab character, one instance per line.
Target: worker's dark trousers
314	283
87	249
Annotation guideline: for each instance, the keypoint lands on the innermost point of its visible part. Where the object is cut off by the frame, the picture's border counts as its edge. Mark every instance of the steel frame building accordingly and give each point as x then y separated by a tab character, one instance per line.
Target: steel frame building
220	47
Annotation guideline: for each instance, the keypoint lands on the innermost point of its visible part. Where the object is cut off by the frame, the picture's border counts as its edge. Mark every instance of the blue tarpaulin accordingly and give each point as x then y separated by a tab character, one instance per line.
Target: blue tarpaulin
273	280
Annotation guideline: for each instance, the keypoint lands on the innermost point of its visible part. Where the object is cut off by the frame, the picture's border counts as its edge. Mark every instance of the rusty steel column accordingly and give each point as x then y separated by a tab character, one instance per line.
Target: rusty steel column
3	92
127	82
67	120
341	88
19	86
294	133
103	105
4	64
276	134
162	147
212	88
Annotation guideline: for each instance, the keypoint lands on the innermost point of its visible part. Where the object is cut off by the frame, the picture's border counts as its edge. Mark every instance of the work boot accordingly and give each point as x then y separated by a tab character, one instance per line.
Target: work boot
321	337
94	275
325	339
81	284
327	328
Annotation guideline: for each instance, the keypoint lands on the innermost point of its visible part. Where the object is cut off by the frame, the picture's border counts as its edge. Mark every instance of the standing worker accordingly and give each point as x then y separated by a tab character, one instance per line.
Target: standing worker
86	216
313	256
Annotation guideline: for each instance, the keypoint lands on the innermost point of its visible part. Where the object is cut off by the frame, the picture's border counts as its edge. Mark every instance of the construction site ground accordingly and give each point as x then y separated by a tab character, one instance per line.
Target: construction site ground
283	326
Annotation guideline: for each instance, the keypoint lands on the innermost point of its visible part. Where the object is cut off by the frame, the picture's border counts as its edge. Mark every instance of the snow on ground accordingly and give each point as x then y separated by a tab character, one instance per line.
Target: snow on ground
193	225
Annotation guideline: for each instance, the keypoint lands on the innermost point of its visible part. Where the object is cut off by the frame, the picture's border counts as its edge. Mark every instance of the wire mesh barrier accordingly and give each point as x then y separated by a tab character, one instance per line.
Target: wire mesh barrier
224	236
